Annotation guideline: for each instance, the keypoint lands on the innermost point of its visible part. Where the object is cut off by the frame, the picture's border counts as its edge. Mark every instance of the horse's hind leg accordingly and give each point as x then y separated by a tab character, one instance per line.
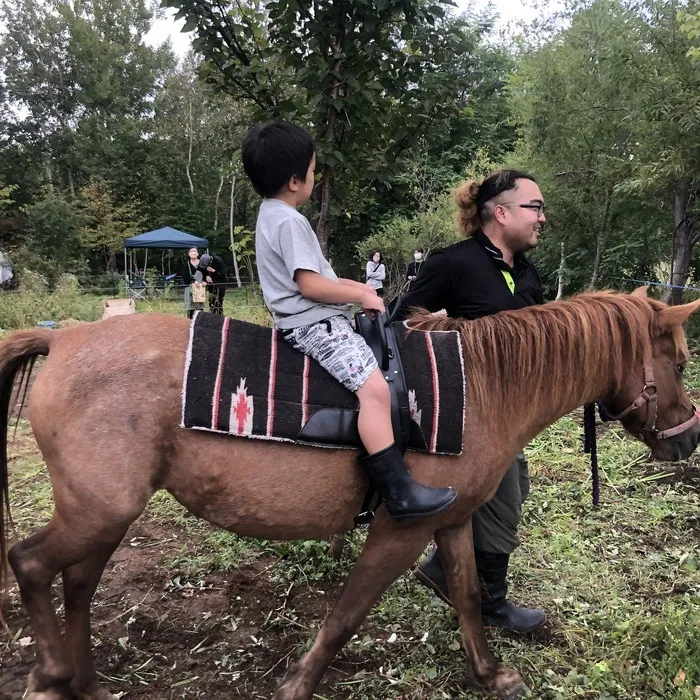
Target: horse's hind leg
35	568
79	585
36	561
389	551
457	550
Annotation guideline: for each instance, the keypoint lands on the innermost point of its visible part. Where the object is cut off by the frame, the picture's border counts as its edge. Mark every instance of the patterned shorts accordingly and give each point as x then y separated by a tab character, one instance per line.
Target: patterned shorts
334	344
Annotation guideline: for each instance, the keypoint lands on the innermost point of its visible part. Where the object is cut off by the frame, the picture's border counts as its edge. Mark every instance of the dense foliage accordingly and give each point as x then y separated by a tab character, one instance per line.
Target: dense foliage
103	135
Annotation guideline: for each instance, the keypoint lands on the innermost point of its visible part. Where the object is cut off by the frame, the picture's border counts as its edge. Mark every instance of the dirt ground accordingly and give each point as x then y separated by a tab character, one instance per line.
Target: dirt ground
213	641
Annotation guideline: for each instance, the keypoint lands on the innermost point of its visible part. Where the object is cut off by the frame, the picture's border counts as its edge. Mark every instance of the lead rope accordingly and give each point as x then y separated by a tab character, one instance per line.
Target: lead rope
590	446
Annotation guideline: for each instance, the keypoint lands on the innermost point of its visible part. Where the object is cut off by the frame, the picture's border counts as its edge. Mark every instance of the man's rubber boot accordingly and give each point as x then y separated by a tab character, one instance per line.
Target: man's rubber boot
404	498
496	611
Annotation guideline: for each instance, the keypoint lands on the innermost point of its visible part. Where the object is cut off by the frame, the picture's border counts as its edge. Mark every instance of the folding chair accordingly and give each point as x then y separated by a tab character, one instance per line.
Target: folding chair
137	287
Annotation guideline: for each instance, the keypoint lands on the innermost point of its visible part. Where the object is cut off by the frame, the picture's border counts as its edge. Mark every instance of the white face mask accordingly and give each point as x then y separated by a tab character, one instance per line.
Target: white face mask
417	256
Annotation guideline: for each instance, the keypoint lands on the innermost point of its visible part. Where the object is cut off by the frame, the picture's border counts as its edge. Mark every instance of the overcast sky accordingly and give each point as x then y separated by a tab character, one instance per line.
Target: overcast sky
510	11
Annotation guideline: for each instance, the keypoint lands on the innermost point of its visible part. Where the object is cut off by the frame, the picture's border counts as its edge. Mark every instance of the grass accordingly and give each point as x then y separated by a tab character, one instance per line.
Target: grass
620	582
67	303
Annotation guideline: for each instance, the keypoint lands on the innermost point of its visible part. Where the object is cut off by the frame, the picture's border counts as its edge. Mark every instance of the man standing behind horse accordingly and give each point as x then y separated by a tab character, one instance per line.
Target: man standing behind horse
500	219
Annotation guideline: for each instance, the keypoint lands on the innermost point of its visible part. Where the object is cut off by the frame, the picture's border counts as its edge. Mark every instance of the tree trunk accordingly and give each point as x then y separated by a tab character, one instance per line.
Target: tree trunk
71	183
329	138
325	213
683	242
216	203
560	274
600	240
112	261
49	171
230	226
190	129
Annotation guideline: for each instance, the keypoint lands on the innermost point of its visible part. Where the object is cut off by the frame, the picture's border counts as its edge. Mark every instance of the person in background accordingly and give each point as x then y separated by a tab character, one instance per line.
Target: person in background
500	218
414	266
191	274
376	273
214	271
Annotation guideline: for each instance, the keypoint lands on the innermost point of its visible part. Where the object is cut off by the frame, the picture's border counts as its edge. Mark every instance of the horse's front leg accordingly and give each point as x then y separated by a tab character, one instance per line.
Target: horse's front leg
457	553
388	552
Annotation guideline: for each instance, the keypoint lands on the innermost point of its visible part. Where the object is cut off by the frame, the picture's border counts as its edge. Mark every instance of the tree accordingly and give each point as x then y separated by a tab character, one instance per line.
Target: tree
358	74
79	81
573	101
105	223
53	244
667	115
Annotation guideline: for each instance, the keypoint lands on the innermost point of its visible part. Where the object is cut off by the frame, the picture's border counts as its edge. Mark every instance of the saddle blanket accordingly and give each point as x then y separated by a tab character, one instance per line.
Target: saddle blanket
246	380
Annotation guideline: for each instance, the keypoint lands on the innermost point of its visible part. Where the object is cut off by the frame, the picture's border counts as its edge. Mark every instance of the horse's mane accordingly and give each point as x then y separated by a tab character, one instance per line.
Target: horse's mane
549	355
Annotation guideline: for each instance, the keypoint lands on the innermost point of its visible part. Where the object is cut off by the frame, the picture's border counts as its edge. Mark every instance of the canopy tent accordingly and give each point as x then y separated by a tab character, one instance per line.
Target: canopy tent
166	237
163	238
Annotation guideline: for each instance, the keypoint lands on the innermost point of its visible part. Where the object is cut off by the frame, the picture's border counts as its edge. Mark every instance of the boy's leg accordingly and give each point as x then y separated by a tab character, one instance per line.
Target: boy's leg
374	419
346	356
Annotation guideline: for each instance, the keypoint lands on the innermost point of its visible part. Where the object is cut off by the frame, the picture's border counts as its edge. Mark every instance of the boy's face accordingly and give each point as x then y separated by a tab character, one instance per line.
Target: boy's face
303	190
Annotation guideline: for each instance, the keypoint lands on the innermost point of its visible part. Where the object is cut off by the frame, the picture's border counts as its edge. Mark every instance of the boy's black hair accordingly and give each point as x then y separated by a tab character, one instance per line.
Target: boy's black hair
274	153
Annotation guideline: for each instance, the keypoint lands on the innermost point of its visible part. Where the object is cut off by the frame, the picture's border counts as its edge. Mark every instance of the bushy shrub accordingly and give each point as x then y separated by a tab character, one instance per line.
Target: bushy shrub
398	239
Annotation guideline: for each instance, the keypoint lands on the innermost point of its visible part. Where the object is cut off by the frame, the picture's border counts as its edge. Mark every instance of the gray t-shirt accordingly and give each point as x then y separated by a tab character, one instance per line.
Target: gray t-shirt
285	243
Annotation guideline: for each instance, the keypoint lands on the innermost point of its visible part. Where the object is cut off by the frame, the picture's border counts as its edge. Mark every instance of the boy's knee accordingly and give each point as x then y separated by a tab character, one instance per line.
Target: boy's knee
375	390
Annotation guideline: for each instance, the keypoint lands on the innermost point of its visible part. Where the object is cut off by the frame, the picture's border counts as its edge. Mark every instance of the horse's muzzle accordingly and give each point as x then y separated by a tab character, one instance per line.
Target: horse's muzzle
676	448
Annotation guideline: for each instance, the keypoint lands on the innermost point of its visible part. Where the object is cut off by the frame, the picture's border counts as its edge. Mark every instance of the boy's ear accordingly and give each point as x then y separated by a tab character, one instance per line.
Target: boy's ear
294	183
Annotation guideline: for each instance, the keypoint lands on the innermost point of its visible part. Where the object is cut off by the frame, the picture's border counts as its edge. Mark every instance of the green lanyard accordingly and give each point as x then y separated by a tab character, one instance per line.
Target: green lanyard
509	280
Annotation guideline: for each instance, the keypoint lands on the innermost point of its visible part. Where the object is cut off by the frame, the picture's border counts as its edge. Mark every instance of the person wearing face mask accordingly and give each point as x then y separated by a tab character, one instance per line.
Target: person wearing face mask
500	218
376	273
414	266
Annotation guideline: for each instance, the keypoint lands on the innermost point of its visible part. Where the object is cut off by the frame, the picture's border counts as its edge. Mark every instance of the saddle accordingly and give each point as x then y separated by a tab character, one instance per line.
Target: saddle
338	426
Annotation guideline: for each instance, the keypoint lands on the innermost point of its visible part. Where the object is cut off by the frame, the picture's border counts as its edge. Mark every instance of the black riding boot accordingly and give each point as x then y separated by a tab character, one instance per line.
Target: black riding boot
404	497
496	611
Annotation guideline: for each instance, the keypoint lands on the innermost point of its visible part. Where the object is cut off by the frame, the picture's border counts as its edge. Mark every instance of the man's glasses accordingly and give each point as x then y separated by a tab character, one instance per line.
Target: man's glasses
539	208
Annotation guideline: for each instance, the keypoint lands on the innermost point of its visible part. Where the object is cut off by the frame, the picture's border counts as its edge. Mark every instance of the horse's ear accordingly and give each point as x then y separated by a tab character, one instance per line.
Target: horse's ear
674	316
640	292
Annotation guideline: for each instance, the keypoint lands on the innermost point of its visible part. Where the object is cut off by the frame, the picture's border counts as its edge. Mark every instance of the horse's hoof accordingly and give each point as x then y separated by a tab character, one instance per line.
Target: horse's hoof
47	695
37	690
521	692
506	684
293	689
97	692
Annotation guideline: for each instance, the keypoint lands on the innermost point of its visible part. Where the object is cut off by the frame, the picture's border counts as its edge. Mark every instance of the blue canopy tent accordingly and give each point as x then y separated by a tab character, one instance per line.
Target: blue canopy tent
166	237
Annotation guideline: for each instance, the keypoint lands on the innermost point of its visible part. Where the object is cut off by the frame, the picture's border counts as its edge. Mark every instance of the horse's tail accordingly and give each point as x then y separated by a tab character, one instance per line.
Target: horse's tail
17	356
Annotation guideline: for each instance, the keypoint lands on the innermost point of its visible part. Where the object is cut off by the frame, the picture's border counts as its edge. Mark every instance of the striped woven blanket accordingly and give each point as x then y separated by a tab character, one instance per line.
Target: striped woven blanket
246	380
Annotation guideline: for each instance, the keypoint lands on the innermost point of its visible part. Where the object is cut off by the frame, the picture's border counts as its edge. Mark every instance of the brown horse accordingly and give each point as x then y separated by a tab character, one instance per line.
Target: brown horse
105	411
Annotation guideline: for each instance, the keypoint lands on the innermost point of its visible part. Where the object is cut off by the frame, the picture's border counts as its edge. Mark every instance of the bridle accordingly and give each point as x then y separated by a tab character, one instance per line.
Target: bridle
649	396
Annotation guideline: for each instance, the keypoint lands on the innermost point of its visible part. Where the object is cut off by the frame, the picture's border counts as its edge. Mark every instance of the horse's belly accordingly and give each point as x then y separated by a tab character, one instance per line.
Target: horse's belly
274	491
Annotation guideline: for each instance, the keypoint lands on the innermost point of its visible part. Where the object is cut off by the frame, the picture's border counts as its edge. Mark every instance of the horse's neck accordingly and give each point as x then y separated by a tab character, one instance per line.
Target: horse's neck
581	378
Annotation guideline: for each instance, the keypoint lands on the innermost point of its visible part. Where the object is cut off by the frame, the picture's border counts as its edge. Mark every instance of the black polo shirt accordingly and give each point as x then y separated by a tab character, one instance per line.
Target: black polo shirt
466	279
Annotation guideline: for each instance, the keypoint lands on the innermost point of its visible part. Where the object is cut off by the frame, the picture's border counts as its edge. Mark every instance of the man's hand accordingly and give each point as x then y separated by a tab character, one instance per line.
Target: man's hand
209	279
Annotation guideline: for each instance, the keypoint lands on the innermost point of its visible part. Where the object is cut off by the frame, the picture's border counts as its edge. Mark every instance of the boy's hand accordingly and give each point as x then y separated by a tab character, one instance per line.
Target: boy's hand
371	302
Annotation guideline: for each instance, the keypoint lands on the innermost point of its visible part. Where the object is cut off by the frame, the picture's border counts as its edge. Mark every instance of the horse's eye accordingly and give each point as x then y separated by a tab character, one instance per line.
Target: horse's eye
680	368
